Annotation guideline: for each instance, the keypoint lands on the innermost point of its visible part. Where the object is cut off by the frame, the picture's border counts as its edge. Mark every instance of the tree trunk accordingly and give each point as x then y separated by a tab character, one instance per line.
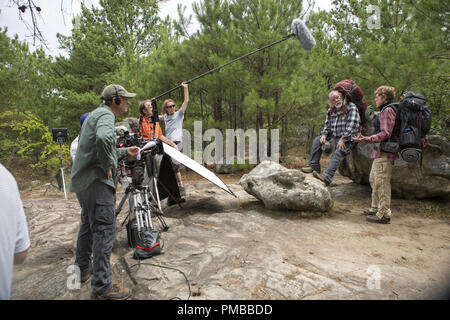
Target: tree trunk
284	126
241	113
218	109
311	136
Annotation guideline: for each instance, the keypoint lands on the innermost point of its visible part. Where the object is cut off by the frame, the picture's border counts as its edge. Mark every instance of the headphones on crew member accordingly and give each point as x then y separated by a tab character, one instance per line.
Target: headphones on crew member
117	97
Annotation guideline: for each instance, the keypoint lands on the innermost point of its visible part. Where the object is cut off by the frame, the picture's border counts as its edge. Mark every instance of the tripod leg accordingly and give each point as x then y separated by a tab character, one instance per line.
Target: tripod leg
62	171
138	214
160	213
119	207
163	223
157	193
64	183
147	210
143	212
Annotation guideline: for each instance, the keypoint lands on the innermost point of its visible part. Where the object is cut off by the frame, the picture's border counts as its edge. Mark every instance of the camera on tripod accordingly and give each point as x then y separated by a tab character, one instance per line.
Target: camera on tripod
143	198
137	172
134	168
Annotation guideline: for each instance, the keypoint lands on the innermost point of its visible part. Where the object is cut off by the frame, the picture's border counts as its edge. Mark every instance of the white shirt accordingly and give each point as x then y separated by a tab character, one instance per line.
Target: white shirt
74	147
174	126
14	236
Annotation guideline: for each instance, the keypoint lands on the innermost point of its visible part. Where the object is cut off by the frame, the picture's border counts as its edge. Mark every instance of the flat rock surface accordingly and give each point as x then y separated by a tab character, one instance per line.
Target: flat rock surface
235	248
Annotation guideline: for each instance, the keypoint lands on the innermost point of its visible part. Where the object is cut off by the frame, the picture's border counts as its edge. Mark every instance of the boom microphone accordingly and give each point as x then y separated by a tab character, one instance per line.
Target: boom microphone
303	34
299	30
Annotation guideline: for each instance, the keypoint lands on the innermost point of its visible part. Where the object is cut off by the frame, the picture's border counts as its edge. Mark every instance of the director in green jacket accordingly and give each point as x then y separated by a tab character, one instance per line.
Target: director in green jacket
92	180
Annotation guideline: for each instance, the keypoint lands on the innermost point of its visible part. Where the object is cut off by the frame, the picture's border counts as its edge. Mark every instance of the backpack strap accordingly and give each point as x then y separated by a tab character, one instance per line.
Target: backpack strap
344	106
396	107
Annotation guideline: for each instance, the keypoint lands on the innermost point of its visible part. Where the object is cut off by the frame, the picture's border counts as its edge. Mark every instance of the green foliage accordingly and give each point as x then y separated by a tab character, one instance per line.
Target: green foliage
23	77
30	137
106	46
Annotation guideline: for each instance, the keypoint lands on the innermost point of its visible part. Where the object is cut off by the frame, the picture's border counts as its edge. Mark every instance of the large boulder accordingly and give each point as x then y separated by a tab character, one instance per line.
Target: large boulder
409	180
286	189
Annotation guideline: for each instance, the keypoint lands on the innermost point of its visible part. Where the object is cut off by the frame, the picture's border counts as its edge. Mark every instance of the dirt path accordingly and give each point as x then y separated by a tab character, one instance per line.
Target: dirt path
237	249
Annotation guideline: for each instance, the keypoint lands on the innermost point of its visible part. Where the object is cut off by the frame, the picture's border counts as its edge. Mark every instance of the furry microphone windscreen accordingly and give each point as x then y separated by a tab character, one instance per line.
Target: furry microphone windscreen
303	34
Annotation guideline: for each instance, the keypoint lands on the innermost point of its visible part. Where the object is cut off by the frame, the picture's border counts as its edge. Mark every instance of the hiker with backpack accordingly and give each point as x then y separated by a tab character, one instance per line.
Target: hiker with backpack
341	124
384	154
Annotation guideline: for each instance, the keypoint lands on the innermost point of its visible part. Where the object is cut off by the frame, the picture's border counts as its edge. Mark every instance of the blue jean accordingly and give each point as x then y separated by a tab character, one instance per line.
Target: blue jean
338	155
96	235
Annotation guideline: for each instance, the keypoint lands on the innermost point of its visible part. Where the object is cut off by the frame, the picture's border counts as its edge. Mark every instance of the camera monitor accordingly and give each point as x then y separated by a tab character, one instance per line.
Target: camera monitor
59	135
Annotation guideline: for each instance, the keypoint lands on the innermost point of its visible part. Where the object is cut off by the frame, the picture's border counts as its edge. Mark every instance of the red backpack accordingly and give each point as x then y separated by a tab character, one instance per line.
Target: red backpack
353	92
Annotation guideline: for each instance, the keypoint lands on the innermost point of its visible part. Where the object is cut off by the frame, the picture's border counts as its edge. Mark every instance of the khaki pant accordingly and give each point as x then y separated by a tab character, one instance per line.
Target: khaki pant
380	181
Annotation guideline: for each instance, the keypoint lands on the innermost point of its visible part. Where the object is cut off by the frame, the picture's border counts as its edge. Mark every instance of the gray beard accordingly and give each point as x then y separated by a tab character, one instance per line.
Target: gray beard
339	105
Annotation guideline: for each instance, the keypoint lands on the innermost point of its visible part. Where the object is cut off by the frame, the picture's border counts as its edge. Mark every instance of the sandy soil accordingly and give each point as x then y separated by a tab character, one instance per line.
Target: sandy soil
237	249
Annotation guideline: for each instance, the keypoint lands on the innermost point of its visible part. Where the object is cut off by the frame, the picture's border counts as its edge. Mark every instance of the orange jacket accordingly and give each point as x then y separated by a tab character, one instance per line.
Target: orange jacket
146	130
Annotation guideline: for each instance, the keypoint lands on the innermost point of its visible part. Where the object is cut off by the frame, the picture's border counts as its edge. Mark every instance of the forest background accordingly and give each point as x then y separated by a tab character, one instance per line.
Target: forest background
284	87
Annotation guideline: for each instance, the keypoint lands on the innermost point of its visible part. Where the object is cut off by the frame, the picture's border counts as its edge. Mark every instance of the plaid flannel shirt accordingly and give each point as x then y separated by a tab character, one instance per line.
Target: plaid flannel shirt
342	124
387	122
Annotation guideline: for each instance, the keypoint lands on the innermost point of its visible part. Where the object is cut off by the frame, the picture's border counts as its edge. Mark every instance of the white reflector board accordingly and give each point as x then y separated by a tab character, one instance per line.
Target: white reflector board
196	167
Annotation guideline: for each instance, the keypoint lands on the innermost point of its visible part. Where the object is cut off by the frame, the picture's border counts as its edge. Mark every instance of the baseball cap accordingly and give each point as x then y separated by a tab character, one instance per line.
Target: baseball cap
114	90
83	117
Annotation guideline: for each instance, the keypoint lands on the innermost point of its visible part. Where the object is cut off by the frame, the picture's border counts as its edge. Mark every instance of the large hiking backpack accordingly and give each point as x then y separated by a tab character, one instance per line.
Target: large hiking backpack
415	122
353	92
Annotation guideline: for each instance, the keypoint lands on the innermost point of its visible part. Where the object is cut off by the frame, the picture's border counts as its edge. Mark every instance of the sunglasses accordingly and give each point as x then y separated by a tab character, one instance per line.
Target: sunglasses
171	106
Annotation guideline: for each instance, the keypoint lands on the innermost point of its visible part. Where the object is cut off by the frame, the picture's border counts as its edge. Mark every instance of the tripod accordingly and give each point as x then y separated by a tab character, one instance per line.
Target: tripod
143	202
60	141
141	207
60	136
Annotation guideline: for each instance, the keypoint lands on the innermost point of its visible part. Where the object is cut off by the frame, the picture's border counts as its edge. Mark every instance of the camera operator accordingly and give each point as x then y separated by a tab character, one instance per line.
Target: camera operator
92	179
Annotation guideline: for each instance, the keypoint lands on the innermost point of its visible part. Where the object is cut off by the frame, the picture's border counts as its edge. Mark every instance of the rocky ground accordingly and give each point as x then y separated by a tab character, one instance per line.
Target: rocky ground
235	248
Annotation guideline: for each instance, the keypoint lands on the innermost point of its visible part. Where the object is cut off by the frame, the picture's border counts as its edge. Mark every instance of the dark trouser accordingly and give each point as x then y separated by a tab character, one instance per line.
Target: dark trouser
96	235
336	158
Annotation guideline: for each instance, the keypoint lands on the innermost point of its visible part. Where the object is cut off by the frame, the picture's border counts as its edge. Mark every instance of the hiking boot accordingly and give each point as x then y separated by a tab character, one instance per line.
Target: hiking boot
369	212
375	219
307	169
117	292
319	176
171	201
85	276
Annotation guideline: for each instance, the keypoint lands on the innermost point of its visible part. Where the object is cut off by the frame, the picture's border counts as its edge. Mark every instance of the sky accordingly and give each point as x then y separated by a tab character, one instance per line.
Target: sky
56	17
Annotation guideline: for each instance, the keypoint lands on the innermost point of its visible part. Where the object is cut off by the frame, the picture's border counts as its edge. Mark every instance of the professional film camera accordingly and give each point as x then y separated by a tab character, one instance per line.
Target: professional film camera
147	181
125	139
